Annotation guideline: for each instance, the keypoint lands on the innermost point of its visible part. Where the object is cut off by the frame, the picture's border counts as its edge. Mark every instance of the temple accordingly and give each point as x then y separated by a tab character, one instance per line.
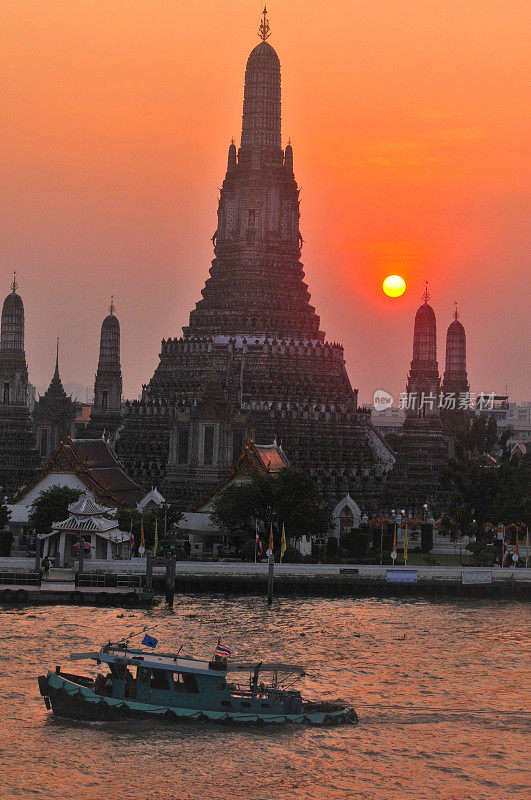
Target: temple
423	451
455	387
19	458
252	362
106	413
54	415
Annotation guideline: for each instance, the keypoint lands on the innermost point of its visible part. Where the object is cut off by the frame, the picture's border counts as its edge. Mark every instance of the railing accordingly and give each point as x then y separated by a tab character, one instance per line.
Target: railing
91	579
20	578
132	581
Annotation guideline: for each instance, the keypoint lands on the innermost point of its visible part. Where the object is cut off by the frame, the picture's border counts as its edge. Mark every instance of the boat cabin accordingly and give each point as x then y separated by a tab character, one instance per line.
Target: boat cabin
169	680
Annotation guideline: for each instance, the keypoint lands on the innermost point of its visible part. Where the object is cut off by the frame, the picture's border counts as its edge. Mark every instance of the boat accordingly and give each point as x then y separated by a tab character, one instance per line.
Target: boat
144	684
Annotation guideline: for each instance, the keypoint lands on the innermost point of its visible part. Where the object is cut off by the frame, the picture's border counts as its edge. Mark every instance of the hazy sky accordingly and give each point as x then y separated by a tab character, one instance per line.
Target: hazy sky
410	127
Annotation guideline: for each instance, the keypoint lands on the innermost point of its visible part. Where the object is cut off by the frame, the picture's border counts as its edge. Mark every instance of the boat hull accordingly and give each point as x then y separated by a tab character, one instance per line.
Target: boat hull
75	701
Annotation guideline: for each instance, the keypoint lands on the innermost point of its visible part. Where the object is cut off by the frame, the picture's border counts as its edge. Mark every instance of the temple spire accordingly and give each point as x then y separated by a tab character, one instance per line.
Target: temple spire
426	296
14	282
57	358
264	32
456	312
112	307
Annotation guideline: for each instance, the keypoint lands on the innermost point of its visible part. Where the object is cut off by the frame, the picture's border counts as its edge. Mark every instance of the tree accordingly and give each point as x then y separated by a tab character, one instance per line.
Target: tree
6	537
488	493
292	498
130	519
51	506
5	515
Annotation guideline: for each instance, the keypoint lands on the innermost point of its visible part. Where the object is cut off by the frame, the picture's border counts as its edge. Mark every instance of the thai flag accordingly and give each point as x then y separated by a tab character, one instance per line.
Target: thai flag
223	651
149	641
258	545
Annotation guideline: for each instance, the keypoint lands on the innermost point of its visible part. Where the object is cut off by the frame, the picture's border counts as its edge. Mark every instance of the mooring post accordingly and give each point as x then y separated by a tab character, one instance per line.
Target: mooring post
149	573
270	577
81	554
170	581
38	544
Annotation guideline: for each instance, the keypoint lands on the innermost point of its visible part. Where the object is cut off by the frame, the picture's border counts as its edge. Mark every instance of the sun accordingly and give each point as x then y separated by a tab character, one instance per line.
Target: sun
394	286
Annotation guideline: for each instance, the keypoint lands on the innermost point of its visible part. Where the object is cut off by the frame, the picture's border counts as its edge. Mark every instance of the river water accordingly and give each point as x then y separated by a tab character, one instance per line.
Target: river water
441	691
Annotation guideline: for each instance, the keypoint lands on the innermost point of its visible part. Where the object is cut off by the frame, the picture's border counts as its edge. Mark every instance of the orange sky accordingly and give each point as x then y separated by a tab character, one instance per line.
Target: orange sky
410	126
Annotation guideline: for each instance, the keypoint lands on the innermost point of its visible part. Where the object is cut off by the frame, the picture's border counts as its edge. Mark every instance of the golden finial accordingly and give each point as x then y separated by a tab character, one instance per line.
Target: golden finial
112	307
426	295
264	30
289	142
232	140
14	284
456	312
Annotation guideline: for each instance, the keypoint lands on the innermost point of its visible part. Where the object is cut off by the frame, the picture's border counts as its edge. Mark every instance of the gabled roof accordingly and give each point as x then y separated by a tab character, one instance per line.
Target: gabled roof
153	496
271	457
95	464
256	459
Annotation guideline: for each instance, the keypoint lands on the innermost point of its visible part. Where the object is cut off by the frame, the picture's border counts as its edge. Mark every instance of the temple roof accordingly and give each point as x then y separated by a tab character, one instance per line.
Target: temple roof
456	329
110	323
13	303
85	507
256	459
95	524
263	52
95	464
270	457
55	403
425	314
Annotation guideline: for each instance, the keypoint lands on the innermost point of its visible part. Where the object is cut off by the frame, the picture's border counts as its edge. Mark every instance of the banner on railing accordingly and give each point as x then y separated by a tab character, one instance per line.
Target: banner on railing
402	576
477	576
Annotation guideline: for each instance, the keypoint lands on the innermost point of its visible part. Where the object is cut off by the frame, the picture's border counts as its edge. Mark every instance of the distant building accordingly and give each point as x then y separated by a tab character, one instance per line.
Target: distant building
498	410
19	457
520	421
83	394
82	419
390	420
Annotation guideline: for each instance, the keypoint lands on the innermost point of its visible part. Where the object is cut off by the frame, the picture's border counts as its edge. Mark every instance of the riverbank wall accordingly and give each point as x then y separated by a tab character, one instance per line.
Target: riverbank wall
100	580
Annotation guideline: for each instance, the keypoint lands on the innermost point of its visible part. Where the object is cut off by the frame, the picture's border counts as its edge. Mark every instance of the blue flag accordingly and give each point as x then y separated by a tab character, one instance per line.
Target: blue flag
149	641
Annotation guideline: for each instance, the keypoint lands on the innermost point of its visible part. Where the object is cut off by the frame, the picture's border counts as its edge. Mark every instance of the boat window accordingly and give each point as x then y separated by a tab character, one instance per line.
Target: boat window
185	682
143	675
117	671
190	683
226	704
266	705
246	704
159	679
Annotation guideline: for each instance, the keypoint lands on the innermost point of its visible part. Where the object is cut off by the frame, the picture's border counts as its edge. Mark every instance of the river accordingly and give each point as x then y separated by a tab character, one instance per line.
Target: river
441	690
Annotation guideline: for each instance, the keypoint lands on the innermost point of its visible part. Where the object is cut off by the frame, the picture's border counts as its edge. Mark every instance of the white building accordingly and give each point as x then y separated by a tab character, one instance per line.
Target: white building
103	540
